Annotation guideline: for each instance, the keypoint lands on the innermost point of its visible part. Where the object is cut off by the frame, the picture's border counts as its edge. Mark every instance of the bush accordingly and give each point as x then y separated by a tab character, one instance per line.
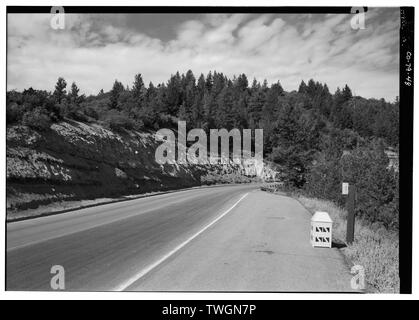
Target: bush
118	121
91	112
324	179
225	177
367	169
73	111
14	113
37	119
32	103
377	185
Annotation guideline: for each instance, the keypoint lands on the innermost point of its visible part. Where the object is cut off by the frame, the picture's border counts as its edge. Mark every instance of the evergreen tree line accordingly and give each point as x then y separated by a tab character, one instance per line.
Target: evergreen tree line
306	132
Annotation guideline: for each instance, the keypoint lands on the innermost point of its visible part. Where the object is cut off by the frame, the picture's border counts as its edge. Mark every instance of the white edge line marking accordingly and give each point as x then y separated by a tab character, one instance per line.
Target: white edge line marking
145	271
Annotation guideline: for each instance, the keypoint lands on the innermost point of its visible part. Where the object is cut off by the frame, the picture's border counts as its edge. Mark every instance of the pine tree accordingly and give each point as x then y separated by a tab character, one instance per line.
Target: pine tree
346	93
294	142
116	91
209	82
225	116
198	106
302	88
188	98
270	108
173	95
242	83
256	101
74	93
60	92
139	90
209	108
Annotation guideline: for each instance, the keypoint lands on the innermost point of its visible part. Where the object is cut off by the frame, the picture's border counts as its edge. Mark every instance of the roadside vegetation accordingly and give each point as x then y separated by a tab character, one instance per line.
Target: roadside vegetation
226	178
376	245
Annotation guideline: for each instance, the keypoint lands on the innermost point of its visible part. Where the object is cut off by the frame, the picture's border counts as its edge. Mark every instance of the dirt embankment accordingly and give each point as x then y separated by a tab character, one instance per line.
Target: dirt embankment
74	160
78	161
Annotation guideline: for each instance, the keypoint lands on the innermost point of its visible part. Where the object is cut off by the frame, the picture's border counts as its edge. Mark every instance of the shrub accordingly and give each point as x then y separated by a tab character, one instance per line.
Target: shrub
32	103
14	113
91	112
324	179
37	119
366	168
377	185
117	120
73	111
225	178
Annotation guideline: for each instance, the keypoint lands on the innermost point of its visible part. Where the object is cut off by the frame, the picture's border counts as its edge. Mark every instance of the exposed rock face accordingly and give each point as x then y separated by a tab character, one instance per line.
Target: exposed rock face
75	160
78	161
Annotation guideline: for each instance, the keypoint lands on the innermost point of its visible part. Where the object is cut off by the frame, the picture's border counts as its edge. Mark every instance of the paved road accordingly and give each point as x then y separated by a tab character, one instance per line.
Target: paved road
221	238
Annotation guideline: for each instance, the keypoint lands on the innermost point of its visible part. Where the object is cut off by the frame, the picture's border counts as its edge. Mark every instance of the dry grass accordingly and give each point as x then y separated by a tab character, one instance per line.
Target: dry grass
375	248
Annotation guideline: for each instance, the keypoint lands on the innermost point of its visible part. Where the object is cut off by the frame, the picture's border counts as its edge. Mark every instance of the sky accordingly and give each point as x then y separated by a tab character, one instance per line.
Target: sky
95	49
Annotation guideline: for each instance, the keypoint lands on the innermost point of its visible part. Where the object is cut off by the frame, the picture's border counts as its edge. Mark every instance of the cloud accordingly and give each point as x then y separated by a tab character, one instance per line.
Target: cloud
94	50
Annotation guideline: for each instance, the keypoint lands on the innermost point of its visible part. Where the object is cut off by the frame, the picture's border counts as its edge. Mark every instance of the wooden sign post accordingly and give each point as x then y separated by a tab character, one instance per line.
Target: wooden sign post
350	220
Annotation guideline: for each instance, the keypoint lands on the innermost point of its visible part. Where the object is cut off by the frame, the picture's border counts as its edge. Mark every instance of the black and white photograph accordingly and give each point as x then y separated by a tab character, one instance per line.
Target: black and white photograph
208	149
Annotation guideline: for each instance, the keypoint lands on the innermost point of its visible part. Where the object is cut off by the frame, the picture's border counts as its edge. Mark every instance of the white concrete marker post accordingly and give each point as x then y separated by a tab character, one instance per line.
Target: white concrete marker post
345	188
321	230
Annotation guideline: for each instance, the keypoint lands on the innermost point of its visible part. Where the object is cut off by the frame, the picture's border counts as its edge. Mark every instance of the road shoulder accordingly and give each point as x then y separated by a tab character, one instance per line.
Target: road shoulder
261	245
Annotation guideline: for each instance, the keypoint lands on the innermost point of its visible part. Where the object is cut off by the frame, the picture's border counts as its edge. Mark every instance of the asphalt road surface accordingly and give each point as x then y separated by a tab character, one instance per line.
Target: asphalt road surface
227	238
